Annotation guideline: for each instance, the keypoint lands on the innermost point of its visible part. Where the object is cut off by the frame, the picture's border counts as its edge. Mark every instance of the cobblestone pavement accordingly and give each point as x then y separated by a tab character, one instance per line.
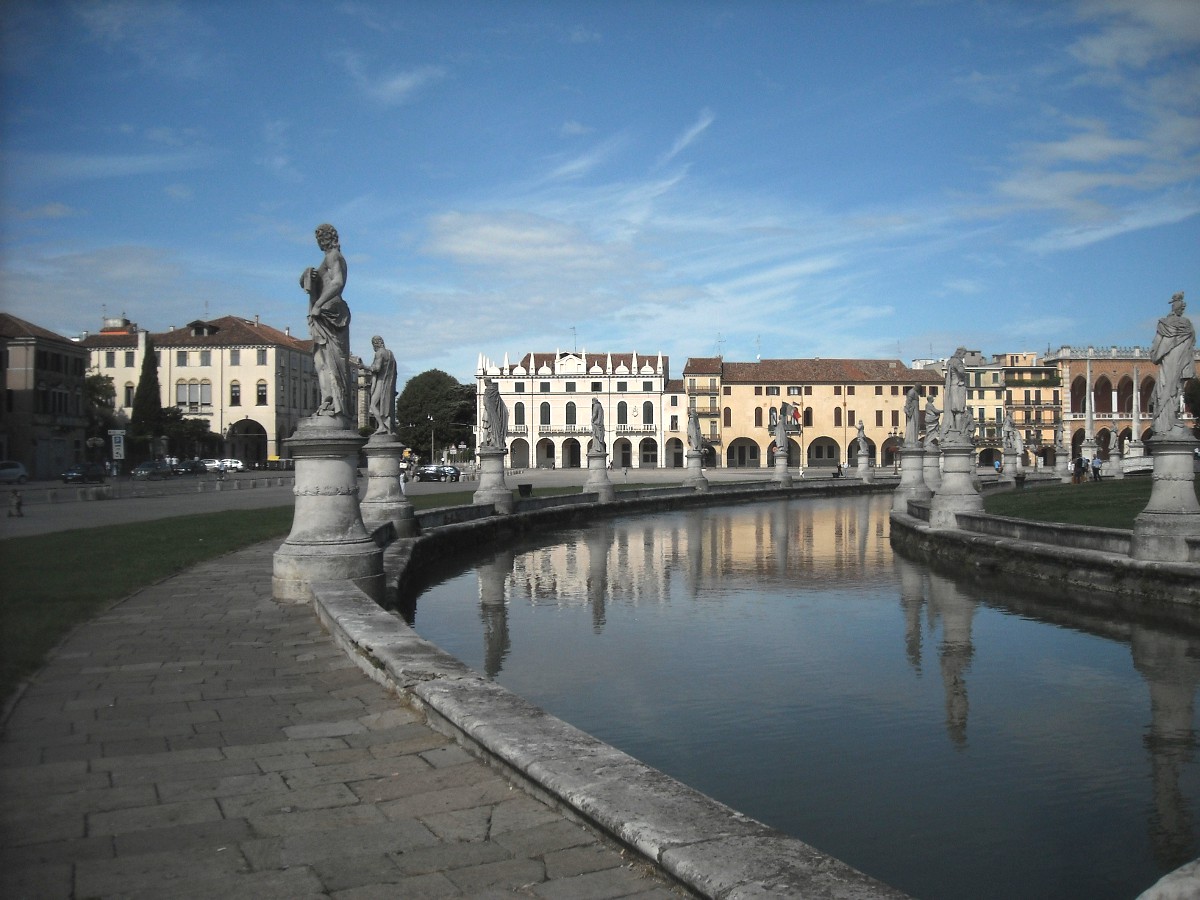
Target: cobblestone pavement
200	740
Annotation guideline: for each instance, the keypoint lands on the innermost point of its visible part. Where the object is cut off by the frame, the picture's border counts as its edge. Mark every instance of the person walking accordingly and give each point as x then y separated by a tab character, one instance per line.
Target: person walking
1096	465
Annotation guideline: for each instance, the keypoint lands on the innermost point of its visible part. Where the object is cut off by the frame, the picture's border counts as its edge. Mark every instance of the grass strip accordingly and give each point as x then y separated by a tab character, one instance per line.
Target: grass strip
1110	503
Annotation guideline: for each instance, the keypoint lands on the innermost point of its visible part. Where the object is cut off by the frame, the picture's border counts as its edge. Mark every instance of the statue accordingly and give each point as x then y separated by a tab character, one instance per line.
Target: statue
383	387
781	438
598	426
912	403
495	416
1058	433
933	417
861	441
329	324
1012	438
1174	350
955	424
695	442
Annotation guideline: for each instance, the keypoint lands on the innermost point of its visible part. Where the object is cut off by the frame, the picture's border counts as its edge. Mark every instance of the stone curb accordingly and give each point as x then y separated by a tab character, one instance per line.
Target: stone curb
709	848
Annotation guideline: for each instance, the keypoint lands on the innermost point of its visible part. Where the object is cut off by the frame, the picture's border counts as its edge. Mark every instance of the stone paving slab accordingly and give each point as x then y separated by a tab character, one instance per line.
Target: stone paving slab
200	740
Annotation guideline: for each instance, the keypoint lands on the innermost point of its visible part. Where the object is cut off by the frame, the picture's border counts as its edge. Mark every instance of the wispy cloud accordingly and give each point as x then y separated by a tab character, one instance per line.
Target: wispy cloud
41	168
46	211
585	163
391	88
697	128
165	37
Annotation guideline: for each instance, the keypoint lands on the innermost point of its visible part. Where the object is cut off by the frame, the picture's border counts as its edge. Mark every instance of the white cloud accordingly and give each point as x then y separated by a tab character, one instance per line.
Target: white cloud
393	88
164	37
57	167
1134	33
697	128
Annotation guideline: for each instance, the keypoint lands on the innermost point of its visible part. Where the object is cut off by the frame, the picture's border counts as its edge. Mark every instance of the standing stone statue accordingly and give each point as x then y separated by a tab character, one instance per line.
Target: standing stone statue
861	442
1174	350
383	387
329	324
1058	433
598	426
695	442
781	437
933	417
912	405
955	426
495	416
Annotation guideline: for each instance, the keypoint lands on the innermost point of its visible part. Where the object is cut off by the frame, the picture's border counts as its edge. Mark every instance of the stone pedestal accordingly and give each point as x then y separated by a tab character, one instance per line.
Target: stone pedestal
863	470
1062	464
1172	515
1011	465
492	488
695	473
598	480
1113	468
957	493
782	476
932	469
912	479
1134	450
384	500
328	541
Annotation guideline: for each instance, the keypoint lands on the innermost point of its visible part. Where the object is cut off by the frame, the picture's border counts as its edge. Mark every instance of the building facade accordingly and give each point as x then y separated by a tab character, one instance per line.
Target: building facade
44	415
549	400
252	383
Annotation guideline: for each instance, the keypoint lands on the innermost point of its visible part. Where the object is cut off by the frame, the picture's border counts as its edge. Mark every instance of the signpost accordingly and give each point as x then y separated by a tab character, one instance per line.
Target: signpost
118	445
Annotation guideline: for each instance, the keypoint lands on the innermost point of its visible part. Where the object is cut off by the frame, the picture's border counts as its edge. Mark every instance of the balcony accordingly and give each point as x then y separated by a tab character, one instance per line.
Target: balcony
707	410
637	429
702	390
572	430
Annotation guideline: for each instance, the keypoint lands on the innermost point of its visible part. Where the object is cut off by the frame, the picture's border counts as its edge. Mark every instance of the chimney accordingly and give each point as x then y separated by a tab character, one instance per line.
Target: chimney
287	329
256	322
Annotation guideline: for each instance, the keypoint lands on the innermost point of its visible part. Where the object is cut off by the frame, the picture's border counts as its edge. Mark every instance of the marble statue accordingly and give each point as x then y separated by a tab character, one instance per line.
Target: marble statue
1013	441
1058	433
781	438
862	441
598	425
383	387
1174	350
955	425
695	442
912	404
495	416
933	417
329	324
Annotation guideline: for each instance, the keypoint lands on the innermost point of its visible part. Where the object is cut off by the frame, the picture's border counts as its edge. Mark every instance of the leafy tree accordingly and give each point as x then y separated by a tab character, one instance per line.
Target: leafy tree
188	437
146	420
433	404
100	399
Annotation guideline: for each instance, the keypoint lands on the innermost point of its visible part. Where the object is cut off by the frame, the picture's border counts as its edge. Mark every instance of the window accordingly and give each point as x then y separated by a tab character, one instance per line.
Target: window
728	391
758	417
261	356
130	390
758	390
793	390
130	359
206	357
622	386
649	454
235	357
622	413
895	418
543	387
674	423
597	387
837	390
773	391
895	390
261	392
850	420
691	384
181	358
674	399
808	390
235	394
110	359
519	387
727	417
999	414
879	418
570	387
648	413
570	413
850	390
519	414
647	386
837	417
879	390
544	413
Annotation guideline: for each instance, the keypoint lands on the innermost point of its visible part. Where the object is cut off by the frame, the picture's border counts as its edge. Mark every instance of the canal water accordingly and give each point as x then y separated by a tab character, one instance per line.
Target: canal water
954	739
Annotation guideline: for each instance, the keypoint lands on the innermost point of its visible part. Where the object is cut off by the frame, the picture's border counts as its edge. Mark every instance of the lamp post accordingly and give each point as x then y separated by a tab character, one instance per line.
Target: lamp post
432	428
893	434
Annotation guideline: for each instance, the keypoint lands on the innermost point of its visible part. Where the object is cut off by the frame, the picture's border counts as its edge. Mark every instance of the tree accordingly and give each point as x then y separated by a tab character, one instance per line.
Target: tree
435	406
188	437
100	400
146	420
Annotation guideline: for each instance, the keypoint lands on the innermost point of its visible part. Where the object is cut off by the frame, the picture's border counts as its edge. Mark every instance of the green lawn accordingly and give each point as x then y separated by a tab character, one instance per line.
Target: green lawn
1111	503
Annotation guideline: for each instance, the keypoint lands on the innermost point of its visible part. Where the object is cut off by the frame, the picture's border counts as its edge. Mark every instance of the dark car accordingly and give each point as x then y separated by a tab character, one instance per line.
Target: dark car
81	473
437	473
189	467
153	469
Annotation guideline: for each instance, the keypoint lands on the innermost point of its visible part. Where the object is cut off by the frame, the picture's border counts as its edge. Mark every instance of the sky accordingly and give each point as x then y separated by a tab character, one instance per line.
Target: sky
764	178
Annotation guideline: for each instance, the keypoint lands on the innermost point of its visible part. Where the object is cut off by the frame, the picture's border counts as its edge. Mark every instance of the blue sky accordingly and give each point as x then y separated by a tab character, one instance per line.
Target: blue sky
885	178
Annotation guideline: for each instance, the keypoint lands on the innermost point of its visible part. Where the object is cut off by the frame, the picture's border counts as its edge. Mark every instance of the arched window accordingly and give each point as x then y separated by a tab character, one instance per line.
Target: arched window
808	418
235	393
261	393
570	413
130	390
648	413
518	413
837	417
545	413
728	417
622	413
758	417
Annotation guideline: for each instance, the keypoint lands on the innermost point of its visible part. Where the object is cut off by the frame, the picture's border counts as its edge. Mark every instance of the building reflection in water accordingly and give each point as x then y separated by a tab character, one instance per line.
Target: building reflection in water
619	566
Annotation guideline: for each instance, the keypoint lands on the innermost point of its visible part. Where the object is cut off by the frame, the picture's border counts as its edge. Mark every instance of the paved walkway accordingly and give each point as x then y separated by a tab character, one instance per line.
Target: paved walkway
200	740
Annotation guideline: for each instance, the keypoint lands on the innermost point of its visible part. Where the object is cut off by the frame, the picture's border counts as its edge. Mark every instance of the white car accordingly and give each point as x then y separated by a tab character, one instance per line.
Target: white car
211	464
233	465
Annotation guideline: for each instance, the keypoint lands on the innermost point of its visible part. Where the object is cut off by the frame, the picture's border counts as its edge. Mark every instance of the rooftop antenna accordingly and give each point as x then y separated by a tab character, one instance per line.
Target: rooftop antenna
574	340
720	346
758	347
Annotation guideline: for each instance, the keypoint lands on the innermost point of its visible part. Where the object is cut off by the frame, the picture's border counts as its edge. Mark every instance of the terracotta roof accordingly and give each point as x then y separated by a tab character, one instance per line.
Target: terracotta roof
227	331
13	328
673	386
703	365
814	371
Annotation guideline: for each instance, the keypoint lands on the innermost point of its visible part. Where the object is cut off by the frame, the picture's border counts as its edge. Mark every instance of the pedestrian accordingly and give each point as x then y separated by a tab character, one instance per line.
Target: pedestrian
998	467
1096	464
15	506
1077	470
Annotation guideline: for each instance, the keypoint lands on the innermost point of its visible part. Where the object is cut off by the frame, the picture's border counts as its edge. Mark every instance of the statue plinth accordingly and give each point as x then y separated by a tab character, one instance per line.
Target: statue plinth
782	476
912	478
1012	465
695	471
957	492
328	541
598	481
385	500
1113	468
1062	463
932	470
492	488
863	470
1161	530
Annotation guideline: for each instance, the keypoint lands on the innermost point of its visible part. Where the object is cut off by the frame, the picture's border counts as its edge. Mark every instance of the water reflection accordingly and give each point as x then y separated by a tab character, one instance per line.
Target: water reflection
781	658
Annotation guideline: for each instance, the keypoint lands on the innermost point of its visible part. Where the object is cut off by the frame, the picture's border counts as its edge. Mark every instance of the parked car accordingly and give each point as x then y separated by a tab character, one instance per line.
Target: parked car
437	473
12	472
153	470
211	465
81	473
189	467
233	465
